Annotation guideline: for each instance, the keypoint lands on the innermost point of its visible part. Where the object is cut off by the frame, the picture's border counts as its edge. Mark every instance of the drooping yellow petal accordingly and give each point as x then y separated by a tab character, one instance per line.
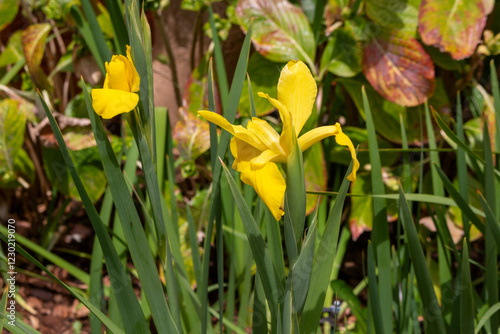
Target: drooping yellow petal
315	135
311	137
110	102
265	179
236	130
342	139
286	132
297	91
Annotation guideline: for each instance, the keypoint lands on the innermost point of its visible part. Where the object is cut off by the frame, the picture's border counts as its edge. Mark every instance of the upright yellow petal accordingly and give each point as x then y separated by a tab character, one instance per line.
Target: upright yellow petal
132	74
117	74
286	137
297	91
110	102
236	130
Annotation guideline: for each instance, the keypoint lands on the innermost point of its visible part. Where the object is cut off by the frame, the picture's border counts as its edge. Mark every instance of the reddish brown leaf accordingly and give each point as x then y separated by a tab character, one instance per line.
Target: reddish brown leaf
399	69
191	134
281	30
453	26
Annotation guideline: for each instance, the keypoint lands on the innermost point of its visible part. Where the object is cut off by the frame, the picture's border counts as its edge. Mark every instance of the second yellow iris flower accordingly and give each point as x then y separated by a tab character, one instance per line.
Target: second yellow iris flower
258	147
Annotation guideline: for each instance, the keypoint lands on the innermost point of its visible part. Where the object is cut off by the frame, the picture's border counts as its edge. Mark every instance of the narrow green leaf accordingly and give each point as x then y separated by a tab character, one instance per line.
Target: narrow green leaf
432	313
259	314
273	287
274	243
3	305
20	327
380	231
97	35
85	31
491	251
132	227
302	271
115	9
466	301
323	262
219	62
462	167
486	317
295	199
131	314
376	312
443	126
230	114
55	259
105	320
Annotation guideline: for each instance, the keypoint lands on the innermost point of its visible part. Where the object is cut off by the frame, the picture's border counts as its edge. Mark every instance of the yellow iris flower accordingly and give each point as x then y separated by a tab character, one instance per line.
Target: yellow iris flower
118	94
258	147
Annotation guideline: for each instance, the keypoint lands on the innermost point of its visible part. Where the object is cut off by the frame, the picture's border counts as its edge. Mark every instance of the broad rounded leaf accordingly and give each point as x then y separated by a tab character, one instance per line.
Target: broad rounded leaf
398	15
454	26
14	50
281	30
33	40
13	162
399	69
386	113
8	12
315	174
192	135
342	55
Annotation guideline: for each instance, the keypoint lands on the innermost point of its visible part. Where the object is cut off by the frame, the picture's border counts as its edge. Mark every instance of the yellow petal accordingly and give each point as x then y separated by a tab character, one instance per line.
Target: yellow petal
133	76
297	90
110	102
121	74
310	138
266	157
265	179
116	74
342	139
266	133
236	130
286	137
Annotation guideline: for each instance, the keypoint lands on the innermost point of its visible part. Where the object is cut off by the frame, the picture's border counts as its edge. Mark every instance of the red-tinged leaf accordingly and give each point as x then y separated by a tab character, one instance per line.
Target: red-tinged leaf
453	26
399	69
192	135
315	175
281	30
33	41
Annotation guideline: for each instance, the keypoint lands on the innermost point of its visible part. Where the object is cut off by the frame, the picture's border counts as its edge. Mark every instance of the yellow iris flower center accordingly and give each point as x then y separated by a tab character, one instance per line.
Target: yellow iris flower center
118	94
258	147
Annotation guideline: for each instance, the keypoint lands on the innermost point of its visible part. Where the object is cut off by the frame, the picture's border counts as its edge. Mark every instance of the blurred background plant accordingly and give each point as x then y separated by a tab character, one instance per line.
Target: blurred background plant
413	83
